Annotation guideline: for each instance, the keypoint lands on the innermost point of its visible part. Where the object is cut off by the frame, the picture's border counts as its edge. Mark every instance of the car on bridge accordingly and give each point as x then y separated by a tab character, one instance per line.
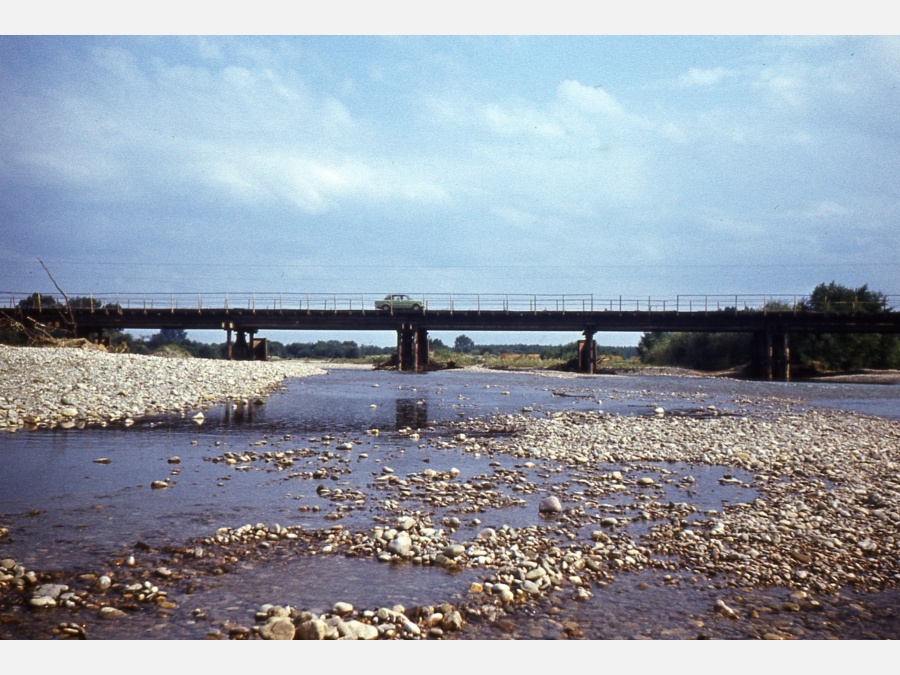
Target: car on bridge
398	302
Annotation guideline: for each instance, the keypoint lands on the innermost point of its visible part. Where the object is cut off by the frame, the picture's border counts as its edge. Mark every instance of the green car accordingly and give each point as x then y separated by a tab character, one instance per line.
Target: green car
398	302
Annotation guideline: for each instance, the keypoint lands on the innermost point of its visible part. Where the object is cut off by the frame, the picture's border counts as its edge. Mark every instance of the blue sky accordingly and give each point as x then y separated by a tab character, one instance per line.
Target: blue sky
612	165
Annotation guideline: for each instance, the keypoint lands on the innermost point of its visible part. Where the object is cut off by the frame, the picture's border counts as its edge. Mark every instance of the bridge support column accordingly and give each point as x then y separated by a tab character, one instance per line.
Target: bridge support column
412	348
421	350
228	354
772	356
587	353
242	350
405	351
761	364
781	365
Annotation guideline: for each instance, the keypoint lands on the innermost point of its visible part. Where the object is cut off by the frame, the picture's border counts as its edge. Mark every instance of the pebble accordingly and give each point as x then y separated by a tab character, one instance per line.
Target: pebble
111	613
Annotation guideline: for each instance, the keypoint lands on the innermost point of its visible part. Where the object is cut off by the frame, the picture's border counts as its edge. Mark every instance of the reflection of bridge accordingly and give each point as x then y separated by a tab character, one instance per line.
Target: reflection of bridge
770	318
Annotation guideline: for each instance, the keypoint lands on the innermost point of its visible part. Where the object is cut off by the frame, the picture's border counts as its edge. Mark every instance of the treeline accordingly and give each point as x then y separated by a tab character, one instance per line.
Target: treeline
322	349
174	341
349	349
466	345
812	352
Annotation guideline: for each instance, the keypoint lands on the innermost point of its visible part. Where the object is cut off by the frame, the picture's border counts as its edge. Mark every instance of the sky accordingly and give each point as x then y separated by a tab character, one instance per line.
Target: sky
613	165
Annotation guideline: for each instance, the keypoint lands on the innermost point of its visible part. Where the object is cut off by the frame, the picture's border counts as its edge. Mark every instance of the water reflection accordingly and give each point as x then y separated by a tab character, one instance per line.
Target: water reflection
237	413
411	413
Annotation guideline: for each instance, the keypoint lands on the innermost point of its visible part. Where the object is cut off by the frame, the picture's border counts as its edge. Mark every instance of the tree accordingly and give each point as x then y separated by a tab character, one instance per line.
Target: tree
700	351
38	301
173	335
833	351
464	344
719	351
836	299
167	336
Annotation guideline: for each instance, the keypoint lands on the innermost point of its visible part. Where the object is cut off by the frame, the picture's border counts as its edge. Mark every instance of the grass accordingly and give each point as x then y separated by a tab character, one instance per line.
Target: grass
449	359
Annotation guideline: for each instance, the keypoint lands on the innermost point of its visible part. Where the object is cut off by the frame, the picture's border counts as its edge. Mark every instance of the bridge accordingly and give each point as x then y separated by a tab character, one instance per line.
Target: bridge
771	319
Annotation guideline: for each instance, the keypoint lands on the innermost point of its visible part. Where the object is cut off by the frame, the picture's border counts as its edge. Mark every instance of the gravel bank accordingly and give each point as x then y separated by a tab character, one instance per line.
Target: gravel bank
827	517
58	387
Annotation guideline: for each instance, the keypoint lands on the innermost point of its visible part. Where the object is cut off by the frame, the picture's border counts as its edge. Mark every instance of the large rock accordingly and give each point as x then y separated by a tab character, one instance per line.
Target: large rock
314	629
452	621
401	544
46	595
550	504
278	628
454	550
363	631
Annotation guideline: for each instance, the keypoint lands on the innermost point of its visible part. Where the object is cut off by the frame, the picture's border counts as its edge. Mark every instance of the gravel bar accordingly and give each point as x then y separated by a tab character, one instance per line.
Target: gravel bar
69	387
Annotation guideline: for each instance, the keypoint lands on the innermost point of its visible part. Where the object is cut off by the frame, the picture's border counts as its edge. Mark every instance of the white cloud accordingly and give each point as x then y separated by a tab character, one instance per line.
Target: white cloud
825	210
316	185
702	77
514	217
785	87
520	121
589	99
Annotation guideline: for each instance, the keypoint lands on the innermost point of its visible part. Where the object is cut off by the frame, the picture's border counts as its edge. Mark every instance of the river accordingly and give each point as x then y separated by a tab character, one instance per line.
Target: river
77	503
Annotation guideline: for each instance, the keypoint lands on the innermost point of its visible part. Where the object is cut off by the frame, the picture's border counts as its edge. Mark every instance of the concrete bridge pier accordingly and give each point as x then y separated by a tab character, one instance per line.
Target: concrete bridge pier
228	328
243	347
781	359
421	350
772	358
412	348
587	353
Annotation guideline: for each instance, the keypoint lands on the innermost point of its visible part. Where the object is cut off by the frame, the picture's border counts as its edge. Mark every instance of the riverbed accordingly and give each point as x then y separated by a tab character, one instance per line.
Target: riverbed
463	505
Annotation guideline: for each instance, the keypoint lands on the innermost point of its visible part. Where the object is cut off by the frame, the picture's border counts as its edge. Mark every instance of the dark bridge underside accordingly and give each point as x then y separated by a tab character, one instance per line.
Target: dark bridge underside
770	327
472	320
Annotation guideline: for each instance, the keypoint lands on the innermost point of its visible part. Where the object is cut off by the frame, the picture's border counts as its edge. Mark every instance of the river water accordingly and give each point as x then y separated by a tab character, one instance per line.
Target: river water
69	514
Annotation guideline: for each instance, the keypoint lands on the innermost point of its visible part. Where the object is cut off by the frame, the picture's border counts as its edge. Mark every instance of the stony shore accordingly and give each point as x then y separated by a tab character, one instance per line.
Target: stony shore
823	520
64	387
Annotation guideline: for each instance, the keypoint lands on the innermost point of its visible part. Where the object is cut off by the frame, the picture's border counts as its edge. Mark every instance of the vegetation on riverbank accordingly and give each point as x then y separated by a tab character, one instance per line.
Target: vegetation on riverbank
811	353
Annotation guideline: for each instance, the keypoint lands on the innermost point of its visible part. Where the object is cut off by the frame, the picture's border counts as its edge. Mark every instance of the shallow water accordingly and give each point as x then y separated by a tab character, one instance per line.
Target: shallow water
66	512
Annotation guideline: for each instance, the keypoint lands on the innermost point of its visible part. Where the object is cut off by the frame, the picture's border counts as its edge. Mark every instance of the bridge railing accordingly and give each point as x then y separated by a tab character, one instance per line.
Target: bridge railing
444	302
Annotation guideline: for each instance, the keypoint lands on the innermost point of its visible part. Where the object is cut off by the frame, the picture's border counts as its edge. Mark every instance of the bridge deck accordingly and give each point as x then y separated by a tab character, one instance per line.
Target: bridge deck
727	320
770	319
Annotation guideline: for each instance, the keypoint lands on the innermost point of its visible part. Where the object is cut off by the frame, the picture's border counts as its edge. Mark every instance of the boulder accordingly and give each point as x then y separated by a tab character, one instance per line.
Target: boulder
550	504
